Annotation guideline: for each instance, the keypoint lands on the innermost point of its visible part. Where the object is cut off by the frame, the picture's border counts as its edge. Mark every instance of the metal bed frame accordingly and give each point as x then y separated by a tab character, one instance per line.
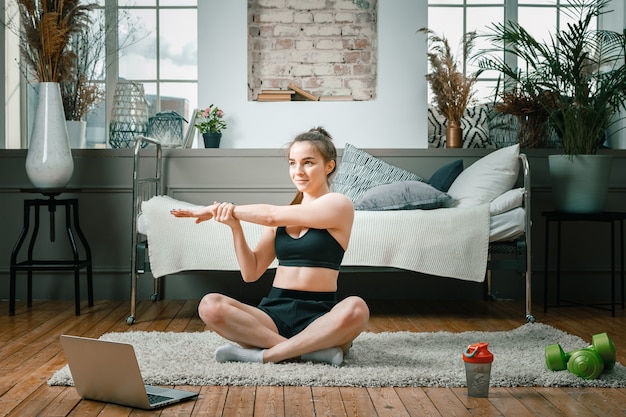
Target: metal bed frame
143	189
507	255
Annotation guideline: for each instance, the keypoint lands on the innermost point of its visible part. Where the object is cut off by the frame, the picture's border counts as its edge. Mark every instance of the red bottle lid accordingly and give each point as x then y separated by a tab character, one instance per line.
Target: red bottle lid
478	353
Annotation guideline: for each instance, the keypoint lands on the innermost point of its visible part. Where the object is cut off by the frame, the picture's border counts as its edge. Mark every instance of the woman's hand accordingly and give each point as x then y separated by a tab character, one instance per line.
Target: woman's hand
221	212
224	213
201	214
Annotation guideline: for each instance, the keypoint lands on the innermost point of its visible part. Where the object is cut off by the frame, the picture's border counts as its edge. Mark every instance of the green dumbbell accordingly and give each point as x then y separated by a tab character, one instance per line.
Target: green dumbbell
603	344
586	363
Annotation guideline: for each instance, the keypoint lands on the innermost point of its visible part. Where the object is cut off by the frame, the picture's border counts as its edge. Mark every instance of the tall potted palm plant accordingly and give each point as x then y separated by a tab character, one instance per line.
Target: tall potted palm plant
579	77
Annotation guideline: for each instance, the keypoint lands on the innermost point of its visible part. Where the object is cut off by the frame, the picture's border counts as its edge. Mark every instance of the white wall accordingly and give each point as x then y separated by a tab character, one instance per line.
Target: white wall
396	119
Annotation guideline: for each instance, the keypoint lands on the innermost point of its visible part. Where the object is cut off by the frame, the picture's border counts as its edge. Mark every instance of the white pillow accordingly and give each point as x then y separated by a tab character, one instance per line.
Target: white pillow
508	225
507	201
487	178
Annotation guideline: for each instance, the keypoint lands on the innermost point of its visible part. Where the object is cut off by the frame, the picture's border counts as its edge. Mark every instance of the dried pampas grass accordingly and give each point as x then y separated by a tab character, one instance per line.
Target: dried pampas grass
452	89
46	28
532	115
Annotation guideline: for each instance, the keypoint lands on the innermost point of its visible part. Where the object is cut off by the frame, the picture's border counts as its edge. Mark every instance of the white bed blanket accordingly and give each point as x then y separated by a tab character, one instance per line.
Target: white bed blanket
451	242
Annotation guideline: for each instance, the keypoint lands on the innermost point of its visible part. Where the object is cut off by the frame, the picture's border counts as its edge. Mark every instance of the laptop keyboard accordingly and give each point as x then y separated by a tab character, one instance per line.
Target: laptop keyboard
155	399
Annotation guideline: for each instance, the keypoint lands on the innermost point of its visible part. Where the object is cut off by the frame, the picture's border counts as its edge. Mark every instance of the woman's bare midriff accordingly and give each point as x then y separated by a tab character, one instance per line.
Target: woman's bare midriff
303	278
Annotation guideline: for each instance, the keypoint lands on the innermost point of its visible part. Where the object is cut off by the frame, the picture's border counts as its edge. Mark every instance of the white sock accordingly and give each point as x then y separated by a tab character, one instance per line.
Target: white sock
232	353
333	356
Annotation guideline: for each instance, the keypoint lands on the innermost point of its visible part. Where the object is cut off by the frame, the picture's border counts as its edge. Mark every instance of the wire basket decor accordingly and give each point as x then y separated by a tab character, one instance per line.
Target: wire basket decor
167	127
129	115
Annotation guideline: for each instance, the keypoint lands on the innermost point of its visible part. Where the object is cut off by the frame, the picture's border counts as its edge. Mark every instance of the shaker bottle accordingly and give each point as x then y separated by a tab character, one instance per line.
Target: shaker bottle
478	361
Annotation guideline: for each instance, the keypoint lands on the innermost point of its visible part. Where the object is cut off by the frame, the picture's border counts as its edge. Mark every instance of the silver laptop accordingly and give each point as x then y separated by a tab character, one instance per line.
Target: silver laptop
108	371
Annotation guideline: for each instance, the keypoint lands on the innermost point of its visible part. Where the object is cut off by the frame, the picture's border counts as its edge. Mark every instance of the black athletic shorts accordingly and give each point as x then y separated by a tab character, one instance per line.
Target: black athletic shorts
293	310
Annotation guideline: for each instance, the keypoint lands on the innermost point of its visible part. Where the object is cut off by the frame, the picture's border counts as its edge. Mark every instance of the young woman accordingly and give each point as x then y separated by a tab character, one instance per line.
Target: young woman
300	317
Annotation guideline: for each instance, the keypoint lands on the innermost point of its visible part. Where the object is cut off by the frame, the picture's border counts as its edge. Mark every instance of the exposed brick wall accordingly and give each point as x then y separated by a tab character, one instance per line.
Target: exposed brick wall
327	47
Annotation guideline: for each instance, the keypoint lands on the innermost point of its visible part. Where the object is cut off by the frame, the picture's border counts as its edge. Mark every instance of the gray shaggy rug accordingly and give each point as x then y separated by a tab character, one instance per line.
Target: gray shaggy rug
397	359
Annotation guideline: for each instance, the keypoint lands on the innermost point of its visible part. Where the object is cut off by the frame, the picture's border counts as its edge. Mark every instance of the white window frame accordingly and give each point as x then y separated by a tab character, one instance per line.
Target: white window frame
511	7
16	134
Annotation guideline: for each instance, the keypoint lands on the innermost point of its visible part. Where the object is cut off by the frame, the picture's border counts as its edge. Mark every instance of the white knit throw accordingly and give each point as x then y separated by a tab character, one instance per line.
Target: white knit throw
448	242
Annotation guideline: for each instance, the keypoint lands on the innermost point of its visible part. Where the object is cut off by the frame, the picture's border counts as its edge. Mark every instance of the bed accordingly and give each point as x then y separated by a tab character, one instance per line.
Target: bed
464	232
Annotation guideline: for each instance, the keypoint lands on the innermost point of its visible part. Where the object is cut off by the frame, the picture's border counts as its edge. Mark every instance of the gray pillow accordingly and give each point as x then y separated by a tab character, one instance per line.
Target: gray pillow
359	171
402	195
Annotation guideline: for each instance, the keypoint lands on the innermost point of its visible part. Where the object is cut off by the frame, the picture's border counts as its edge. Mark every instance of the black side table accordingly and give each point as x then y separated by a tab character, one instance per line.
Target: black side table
72	224
605	217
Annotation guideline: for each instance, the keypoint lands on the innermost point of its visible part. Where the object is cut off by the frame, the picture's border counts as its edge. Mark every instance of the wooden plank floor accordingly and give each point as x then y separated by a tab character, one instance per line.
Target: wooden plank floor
30	353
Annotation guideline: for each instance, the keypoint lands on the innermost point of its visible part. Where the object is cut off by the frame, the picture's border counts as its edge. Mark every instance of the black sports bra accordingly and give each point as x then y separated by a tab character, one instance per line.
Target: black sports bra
316	248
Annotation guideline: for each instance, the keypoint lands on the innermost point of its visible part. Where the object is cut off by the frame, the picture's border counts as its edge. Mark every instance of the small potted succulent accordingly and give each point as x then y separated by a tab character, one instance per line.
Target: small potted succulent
210	122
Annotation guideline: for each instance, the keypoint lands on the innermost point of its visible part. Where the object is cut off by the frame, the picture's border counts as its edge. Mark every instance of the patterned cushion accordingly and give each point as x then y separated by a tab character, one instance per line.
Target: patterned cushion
360	171
503	129
475	124
437	124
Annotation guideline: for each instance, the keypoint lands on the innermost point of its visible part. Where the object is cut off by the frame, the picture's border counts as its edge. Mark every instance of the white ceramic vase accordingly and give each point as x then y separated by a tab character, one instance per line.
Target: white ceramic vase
49	162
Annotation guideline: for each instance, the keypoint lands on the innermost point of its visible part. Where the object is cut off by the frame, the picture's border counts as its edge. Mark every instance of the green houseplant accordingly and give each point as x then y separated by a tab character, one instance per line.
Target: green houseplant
579	77
452	89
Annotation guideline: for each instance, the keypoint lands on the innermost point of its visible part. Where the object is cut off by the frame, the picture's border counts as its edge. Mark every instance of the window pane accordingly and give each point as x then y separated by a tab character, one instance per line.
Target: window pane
96	39
131	3
485	91
179	44
432	2
439	19
150	90
567	15
478	20
139	59
178	3
538	2
180	97
540	22
486	75
95	136
474	2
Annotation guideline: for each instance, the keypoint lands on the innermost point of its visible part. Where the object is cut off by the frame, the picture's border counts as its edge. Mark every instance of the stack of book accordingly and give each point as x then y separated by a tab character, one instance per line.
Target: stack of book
336	98
302	94
295	93
275	95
